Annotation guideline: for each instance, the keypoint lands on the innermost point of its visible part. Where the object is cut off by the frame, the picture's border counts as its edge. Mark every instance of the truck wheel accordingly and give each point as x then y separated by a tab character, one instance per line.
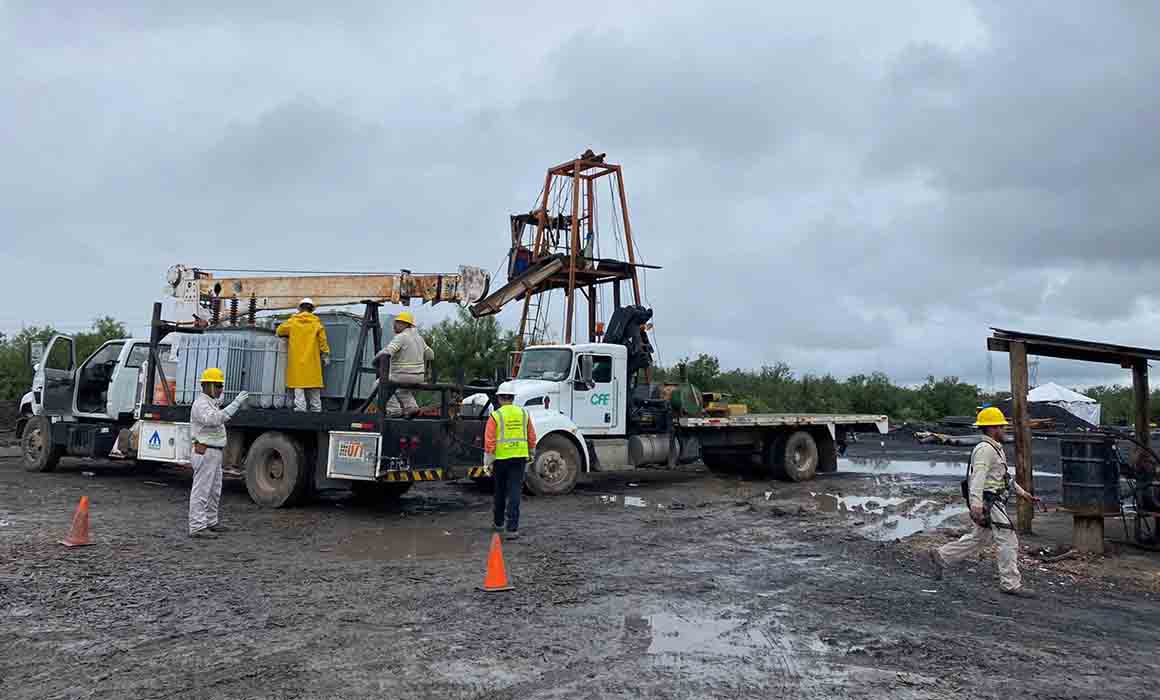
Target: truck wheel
374	492
38	454
556	467
276	472
796	457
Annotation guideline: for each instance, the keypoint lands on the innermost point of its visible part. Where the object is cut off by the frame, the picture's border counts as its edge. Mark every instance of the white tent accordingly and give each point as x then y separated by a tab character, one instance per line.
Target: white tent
1071	401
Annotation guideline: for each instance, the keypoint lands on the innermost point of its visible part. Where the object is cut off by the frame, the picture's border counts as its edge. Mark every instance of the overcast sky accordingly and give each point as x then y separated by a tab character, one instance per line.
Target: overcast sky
846	187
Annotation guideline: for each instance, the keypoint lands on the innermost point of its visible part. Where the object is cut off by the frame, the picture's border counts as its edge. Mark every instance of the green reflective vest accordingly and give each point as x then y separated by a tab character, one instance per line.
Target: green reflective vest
511	432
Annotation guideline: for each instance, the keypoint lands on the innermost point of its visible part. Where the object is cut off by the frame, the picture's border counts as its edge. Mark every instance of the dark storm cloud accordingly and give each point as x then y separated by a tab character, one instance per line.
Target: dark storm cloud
843	188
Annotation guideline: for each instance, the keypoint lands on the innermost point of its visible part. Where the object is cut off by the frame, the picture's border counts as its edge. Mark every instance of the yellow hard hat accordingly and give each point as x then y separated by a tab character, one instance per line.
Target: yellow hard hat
990	416
405	317
213	375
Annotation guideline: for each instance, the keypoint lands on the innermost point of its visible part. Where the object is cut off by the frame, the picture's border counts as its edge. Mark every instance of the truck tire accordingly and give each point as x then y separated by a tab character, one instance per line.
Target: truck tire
796	457
375	492
276	470
38	454
555	468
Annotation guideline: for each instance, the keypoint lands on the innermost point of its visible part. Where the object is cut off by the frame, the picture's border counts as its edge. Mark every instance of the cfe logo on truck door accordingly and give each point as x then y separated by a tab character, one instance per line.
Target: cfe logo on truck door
600	399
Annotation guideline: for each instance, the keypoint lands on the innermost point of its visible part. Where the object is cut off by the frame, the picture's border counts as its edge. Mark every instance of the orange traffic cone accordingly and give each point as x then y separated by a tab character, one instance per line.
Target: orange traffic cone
78	536
496	577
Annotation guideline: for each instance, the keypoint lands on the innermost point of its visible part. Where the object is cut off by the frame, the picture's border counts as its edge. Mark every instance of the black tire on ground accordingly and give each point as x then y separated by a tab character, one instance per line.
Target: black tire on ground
555	468
796	457
375	492
276	470
37	452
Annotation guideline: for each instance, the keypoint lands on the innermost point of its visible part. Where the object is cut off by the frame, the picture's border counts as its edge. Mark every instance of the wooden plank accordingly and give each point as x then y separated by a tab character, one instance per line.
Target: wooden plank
1142	414
1018	355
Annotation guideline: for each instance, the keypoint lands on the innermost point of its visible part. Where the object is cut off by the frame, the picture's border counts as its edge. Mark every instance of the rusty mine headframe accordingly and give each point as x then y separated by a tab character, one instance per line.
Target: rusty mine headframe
558	245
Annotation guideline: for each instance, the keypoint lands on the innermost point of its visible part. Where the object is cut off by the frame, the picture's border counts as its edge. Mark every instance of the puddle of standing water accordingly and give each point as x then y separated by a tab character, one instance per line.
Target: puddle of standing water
912	466
900	517
404	543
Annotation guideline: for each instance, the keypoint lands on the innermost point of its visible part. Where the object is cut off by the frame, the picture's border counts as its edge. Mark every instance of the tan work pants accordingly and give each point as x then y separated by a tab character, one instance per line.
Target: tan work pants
971	543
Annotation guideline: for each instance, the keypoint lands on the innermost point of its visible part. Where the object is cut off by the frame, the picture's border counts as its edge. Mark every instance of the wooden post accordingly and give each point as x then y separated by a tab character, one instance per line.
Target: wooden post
1018	356
1087	533
1140	391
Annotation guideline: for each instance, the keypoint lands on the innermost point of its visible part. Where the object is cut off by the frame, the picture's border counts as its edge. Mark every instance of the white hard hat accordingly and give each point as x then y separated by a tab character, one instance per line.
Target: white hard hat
305	302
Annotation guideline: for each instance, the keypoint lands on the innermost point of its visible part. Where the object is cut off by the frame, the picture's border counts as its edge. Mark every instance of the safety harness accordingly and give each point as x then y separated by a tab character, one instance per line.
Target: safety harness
992	497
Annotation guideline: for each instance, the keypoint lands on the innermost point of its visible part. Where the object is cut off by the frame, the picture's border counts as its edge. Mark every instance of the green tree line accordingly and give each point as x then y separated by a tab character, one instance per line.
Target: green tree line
480	347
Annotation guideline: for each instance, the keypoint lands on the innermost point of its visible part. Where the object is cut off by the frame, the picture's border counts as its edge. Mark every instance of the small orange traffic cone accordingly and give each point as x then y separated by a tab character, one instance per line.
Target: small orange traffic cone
78	536
496	577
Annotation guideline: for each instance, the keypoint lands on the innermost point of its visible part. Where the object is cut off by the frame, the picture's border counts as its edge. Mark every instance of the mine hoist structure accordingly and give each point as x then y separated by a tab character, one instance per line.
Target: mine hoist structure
578	240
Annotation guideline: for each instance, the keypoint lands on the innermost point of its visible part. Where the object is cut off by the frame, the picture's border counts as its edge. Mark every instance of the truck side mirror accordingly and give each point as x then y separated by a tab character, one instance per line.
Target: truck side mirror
585	367
35	354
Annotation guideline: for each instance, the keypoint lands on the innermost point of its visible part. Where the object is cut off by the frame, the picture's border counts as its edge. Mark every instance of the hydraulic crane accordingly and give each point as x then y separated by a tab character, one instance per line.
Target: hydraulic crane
208	300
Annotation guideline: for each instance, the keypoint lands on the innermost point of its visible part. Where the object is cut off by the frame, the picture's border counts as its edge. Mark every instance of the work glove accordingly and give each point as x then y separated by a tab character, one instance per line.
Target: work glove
325	359
238	403
488	459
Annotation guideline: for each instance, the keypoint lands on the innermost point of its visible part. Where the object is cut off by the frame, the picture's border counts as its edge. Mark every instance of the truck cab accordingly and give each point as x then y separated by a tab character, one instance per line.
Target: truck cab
587	383
81	408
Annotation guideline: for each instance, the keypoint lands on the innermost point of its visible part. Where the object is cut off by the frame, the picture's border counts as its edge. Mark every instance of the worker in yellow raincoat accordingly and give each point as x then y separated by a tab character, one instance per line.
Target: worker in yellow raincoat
308	352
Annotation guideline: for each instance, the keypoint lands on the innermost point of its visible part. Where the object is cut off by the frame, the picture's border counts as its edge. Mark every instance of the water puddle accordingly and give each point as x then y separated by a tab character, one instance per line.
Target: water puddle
631	502
891	517
670	633
405	543
912	466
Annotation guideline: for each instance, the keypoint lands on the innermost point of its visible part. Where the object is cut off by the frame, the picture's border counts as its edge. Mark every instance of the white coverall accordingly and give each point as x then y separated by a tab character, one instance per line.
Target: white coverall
989	473
207	425
409	355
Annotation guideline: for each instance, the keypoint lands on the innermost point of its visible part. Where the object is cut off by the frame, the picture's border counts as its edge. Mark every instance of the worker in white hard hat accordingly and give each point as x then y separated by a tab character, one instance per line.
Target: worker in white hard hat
509	440
207	435
986	489
308	353
409	355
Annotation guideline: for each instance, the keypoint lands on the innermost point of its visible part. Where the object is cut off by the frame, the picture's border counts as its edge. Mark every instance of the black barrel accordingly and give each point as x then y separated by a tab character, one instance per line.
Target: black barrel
1091	475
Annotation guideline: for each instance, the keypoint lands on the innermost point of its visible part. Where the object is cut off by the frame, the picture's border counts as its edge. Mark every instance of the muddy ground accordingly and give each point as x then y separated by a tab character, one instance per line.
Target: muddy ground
654	584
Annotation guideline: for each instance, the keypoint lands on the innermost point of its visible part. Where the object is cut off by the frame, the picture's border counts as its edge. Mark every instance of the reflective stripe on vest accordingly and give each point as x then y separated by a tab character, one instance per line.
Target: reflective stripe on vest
511	432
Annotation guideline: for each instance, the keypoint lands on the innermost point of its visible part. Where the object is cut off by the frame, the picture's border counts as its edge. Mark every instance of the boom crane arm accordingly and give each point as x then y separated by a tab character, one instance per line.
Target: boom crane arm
198	290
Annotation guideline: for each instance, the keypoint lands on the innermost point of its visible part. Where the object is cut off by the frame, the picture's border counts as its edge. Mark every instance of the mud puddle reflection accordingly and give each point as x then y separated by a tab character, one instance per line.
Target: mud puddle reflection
913	466
892	517
405	543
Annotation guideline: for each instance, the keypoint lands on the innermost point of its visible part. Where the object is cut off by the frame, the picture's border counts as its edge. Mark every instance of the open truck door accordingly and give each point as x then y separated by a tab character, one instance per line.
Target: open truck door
56	373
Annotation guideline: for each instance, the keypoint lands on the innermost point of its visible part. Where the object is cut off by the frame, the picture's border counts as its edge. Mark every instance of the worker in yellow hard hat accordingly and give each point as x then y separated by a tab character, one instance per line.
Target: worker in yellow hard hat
207	435
986	489
309	351
409	355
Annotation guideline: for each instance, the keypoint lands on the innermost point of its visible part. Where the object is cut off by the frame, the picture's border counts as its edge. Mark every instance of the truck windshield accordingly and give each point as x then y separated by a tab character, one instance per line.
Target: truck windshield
549	364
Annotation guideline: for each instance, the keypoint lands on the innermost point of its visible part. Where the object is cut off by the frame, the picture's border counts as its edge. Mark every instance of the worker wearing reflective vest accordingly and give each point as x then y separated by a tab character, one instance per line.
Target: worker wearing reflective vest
986	489
409	355
508	442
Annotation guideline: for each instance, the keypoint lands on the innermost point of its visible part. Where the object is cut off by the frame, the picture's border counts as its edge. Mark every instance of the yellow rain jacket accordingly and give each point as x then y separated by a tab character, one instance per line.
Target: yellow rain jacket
307	340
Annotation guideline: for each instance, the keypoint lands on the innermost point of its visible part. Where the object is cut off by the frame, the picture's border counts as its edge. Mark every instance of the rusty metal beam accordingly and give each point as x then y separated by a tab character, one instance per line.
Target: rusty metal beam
280	293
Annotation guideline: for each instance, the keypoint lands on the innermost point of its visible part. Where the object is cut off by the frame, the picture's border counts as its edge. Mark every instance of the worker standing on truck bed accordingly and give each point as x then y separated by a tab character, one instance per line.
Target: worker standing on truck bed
409	355
207	433
308	352
508	442
986	489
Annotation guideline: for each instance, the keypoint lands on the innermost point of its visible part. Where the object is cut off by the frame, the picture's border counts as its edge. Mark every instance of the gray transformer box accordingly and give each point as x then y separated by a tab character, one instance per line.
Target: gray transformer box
254	359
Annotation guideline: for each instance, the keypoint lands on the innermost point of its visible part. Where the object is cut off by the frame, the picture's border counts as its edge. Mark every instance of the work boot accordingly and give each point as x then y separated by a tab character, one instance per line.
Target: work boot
497	529
1019	592
512	535
218	527
937	567
204	534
